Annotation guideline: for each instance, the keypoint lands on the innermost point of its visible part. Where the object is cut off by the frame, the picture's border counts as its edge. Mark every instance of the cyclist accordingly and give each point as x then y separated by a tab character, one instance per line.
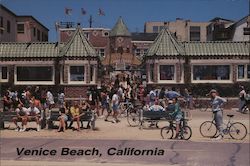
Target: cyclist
177	115
216	103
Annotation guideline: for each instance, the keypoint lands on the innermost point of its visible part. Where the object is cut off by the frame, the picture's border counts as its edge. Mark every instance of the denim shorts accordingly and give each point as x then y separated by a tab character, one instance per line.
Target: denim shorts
105	105
178	118
115	107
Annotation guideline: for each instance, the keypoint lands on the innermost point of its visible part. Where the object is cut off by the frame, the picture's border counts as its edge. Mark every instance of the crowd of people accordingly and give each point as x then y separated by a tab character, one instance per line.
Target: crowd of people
28	104
104	100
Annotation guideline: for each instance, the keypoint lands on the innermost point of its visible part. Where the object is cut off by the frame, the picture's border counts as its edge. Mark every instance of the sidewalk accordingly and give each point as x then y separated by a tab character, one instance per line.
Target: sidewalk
122	130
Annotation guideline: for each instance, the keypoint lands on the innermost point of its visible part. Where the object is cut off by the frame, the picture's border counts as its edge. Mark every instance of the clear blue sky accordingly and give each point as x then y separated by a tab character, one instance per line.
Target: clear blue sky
134	12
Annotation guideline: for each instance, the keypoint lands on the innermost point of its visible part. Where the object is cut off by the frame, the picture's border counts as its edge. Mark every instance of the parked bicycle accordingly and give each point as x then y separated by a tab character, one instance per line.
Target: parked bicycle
236	130
168	132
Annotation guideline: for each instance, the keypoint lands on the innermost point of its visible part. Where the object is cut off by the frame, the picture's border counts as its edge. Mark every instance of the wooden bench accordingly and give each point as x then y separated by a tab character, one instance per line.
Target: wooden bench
9	115
150	116
87	117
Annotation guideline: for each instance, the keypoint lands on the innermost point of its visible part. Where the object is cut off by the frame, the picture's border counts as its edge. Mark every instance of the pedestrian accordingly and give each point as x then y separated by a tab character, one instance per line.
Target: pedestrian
115	107
104	101
6	102
188	98
217	103
61	97
110	92
242	97
50	100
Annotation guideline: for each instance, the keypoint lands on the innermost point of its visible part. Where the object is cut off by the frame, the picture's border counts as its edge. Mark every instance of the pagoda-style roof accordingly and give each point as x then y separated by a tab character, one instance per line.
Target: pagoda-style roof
116	58
165	45
217	48
120	29
78	46
28	50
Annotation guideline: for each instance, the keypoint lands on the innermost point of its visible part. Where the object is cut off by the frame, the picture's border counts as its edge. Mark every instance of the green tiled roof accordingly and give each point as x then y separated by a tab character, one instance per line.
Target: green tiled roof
78	46
165	44
120	29
215	48
16	50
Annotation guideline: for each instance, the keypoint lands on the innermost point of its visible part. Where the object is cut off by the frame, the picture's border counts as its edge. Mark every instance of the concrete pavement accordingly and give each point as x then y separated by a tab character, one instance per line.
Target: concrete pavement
175	152
197	151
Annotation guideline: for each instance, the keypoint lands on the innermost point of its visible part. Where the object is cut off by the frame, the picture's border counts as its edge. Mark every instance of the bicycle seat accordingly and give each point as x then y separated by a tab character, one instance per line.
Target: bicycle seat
230	115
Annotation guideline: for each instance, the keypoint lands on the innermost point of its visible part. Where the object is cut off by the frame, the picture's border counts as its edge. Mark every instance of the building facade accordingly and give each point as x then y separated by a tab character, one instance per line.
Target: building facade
184	30
115	46
217	64
8	27
14	28
71	66
218	29
241	30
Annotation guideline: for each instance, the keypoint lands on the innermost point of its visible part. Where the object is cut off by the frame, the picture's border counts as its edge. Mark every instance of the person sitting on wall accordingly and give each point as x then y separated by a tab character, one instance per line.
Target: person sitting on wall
85	106
155	107
75	115
36	102
21	116
34	114
62	119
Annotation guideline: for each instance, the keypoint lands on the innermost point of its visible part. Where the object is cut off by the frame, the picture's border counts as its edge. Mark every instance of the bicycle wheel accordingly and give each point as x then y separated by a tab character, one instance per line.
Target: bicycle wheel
167	132
208	129
238	131
186	133
133	118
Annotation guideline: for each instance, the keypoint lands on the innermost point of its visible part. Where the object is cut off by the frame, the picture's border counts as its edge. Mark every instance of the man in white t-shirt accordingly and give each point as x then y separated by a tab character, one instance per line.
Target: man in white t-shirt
21	115
34	114
152	97
50	99
115	107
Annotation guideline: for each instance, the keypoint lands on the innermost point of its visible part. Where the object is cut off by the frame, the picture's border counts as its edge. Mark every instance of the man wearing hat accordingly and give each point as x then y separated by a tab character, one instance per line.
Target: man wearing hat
216	103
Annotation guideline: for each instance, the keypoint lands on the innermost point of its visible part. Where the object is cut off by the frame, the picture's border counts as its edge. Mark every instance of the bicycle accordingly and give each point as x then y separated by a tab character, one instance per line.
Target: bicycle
132	115
185	131
236	130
